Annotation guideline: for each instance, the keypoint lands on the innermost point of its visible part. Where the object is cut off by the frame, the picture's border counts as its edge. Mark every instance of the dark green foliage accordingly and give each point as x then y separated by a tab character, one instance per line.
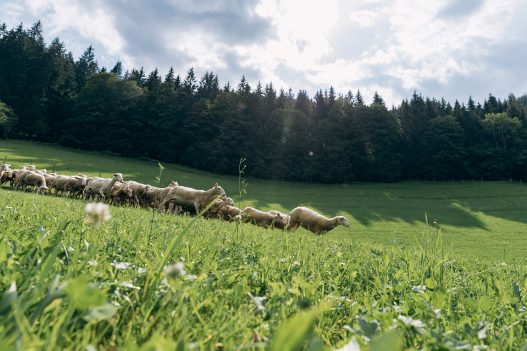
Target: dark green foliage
443	153
7	120
193	121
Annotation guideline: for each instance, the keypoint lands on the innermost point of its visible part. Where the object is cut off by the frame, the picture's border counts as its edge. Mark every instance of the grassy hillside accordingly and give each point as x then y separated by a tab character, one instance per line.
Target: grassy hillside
391	282
477	219
68	286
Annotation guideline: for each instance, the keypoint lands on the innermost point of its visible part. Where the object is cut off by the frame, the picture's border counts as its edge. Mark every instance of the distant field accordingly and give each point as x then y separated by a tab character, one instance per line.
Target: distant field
485	220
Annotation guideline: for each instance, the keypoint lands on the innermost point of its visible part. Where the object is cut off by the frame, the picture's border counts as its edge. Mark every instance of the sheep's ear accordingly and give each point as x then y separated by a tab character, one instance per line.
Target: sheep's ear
216	184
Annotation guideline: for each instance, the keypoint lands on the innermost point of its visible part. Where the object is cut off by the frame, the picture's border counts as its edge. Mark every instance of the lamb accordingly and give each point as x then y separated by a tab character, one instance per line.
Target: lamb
313	221
282	219
184	196
259	218
101	186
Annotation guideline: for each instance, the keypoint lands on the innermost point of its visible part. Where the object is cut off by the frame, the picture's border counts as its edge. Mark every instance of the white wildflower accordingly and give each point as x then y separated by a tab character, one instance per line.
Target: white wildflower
296	264
141	270
192	277
419	288
12	287
482	333
503	264
175	270
353	345
92	263
121	265
283	260
97	213
415	323
71	249
258	301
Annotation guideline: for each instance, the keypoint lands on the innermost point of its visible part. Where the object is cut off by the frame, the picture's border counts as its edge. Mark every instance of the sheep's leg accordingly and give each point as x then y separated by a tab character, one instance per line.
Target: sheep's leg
196	207
101	193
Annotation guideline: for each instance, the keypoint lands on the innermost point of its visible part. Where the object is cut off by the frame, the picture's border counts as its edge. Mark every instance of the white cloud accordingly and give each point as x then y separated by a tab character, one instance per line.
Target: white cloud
391	46
364	18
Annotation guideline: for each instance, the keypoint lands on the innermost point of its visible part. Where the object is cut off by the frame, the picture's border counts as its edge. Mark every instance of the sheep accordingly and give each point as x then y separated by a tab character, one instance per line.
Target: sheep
7	176
184	196
72	185
19	175
313	221
153	196
137	190
121	193
34	179
101	186
30	168
76	184
216	208
50	179
282	219
229	213
259	218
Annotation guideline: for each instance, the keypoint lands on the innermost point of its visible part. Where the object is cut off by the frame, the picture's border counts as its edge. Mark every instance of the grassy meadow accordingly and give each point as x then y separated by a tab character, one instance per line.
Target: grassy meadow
389	282
484	220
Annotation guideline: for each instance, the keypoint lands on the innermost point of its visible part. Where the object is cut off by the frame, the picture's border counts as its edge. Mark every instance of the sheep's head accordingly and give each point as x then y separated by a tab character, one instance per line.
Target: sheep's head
118	177
228	201
173	184
343	221
218	191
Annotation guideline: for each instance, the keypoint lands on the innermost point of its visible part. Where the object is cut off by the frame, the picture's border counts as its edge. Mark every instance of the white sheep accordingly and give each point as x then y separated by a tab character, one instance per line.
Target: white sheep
259	218
153	196
313	221
34	179
282	219
187	197
74	185
101	186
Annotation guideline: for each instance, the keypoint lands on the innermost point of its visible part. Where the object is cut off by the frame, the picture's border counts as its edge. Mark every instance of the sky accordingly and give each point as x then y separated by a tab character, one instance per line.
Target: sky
444	49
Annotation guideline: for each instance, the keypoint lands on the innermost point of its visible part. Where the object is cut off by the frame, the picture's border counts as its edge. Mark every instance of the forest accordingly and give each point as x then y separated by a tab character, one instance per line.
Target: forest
49	96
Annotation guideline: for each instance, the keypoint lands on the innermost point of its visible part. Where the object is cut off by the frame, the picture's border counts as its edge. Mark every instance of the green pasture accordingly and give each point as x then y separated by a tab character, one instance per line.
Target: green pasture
485	220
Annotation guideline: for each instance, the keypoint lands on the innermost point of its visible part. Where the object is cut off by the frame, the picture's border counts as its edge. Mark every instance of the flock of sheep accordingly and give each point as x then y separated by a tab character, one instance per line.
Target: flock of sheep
174	198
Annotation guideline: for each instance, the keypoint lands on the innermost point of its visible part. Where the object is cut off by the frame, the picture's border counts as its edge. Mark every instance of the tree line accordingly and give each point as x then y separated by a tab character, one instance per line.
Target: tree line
48	95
